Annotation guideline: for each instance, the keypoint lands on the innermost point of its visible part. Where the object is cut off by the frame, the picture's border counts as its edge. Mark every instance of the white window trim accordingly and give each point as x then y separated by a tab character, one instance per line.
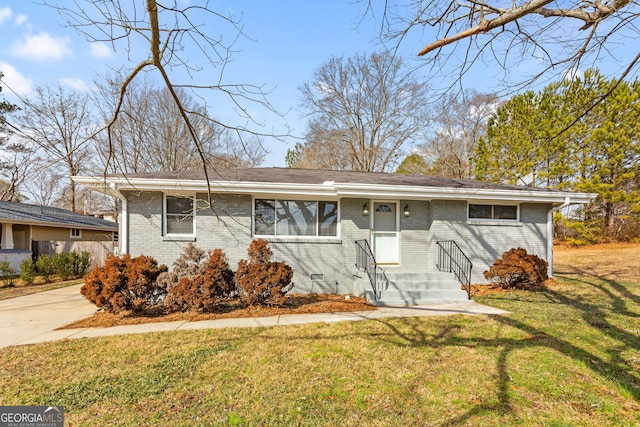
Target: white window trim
494	220
164	215
79	236
277	237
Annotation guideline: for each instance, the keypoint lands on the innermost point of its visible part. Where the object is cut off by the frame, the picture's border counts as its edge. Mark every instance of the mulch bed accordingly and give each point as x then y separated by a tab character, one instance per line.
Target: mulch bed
294	304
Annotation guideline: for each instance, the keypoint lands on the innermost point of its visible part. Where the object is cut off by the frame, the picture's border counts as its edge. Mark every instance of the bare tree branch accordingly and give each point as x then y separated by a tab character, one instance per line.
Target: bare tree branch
479	10
486	25
529	40
169	31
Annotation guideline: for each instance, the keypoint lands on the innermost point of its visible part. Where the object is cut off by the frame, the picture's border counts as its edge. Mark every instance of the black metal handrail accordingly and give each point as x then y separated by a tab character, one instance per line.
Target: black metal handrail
367	262
451	259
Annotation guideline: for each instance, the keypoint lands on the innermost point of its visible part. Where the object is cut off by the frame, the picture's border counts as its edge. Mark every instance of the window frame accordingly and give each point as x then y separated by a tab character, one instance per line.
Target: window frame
73	235
317	227
493	212
165	214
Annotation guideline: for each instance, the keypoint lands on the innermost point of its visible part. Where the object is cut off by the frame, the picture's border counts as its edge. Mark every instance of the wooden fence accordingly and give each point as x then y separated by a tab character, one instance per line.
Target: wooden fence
98	250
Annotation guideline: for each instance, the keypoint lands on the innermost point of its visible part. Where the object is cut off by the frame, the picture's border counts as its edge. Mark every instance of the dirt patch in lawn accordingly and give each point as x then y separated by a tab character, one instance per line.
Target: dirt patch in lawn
294	304
612	261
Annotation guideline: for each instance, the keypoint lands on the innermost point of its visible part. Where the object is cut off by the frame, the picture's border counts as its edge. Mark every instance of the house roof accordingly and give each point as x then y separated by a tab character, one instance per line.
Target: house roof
309	182
22	213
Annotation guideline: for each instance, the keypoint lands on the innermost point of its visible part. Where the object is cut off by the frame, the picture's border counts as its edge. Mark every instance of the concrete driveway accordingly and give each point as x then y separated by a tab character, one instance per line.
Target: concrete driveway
24	319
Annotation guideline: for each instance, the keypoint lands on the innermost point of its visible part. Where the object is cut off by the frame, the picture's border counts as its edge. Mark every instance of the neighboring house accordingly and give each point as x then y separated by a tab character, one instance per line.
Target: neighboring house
29	230
323	222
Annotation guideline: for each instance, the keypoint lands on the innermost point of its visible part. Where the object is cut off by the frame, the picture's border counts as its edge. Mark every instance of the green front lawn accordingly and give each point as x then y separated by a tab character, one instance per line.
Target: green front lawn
566	356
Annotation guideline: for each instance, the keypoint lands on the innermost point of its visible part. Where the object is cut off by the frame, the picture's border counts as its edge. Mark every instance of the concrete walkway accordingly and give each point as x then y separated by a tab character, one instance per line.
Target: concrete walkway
33	318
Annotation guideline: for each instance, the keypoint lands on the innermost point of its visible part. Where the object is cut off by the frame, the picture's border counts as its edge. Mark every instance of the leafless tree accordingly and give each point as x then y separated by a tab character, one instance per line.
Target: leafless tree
16	154
61	124
323	149
15	168
459	121
368	107
171	31
555	38
44	185
149	134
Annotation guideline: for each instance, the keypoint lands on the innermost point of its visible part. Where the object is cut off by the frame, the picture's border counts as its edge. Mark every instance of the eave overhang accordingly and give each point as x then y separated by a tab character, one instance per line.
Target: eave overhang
55	224
329	189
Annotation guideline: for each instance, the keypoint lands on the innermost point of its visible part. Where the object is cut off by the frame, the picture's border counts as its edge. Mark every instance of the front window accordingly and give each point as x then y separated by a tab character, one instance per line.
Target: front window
501	212
179	215
295	218
76	233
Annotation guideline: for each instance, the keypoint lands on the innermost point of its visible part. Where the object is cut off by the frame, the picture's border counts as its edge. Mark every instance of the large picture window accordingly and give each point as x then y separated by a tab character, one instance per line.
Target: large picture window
499	212
295	218
179	215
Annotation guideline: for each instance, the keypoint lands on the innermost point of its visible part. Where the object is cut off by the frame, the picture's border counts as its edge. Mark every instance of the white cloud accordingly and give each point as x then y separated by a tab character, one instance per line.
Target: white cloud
42	47
76	83
5	14
100	50
20	20
15	80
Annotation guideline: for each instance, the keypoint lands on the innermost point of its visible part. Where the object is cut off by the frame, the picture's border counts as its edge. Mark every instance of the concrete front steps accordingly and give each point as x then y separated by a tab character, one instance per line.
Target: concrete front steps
405	288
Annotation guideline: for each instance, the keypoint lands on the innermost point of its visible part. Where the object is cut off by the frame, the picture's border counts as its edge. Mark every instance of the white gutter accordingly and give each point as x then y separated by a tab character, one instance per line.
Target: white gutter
567	202
327	189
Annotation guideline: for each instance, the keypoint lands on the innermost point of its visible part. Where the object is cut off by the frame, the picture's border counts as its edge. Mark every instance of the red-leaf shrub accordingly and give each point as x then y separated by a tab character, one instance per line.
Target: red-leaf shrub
518	270
124	283
260	281
203	292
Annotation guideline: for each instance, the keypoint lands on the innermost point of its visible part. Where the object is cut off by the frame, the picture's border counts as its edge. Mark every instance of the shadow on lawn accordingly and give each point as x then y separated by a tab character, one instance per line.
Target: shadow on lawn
613	294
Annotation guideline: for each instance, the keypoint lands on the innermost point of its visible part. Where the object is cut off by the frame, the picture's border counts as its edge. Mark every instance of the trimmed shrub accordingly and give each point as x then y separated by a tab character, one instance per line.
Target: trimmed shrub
81	263
45	266
260	281
125	283
7	273
27	271
203	292
518	270
63	263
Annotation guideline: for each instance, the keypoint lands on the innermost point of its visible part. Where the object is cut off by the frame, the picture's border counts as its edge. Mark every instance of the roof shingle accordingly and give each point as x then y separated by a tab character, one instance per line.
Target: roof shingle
317	177
25	213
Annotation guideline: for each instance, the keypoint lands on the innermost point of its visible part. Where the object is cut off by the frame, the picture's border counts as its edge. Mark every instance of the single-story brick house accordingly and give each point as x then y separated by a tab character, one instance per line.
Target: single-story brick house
33	229
331	225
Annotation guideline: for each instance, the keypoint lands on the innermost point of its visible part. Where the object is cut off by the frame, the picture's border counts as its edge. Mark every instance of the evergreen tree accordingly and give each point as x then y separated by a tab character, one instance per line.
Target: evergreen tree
547	136
413	164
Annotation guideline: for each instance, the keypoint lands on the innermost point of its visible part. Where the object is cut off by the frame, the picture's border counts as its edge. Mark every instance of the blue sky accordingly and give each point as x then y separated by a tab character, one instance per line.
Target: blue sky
290	39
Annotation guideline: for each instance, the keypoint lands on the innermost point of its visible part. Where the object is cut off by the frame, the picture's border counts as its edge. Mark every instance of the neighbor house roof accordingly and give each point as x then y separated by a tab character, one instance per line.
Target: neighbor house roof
310	182
22	213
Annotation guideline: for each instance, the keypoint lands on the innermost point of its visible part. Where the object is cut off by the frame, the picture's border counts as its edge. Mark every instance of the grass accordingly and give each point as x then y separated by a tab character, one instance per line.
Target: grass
568	355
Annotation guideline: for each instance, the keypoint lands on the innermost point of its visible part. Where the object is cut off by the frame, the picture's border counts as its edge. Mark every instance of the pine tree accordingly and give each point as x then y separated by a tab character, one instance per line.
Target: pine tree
548	135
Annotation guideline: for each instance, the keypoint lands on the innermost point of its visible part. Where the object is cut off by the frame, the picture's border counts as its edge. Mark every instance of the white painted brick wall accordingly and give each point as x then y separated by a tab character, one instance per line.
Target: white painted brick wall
229	228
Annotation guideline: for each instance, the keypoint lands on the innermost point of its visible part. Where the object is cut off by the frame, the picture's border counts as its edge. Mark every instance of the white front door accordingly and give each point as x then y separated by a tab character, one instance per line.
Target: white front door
385	239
